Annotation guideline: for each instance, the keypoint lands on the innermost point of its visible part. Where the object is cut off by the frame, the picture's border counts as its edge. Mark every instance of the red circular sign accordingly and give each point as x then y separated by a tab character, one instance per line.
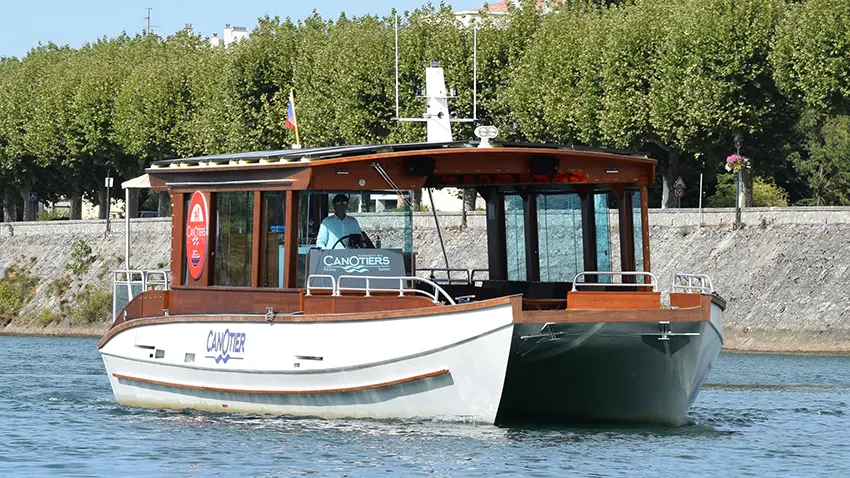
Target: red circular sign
197	227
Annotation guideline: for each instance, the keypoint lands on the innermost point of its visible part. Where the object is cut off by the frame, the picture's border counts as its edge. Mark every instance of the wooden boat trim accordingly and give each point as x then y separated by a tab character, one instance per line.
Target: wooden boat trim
700	313
328	391
514	300
345	159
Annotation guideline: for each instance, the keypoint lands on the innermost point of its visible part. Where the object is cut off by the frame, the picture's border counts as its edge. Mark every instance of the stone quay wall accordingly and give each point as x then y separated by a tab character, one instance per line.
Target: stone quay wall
785	273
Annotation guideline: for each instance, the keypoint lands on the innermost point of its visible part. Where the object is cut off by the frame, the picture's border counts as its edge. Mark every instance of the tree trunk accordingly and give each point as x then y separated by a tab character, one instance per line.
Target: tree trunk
30	207
470	196
417	199
746	187
133	207
164	207
669	176
468	200
10	210
104	203
366	202
76	211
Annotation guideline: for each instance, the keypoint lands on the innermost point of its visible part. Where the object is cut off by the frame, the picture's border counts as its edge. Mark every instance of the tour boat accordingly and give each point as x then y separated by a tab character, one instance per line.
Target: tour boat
261	315
255	318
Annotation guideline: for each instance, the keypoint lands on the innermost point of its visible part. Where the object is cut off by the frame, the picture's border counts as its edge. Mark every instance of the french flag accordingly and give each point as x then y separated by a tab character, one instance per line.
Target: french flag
290	113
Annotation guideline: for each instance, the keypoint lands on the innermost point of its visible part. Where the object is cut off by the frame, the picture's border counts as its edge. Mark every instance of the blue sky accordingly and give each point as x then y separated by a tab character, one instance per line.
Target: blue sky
27	22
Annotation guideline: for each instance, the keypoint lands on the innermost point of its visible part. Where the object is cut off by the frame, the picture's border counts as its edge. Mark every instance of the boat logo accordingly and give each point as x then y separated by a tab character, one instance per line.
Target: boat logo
225	346
197	226
357	263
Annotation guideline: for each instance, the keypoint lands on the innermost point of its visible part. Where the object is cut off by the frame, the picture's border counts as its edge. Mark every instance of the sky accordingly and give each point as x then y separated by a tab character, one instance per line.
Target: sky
25	23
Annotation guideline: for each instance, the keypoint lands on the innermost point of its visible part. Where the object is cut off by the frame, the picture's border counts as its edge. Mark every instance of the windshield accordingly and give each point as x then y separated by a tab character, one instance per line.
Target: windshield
337	220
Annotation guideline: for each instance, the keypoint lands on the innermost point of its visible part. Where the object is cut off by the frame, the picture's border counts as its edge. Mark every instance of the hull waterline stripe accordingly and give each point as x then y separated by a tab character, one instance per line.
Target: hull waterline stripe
373	386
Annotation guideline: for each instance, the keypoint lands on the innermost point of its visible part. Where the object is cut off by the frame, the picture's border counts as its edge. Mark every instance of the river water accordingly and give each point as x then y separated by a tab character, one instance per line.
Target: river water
759	415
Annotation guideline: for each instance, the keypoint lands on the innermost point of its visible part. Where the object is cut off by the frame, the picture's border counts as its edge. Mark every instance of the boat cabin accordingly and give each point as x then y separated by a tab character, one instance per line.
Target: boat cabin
248	236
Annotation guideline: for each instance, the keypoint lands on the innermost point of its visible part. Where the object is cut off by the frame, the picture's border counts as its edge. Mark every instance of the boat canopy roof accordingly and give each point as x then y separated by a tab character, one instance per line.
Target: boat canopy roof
408	166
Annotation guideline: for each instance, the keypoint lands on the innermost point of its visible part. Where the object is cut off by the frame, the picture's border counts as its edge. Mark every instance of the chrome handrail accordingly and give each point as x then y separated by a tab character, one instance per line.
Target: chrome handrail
448	271
155	279
332	288
474	271
653	281
435	296
701	283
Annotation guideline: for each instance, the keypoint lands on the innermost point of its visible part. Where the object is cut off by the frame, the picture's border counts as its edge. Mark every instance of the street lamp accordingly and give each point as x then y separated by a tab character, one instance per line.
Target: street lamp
738	140
108	183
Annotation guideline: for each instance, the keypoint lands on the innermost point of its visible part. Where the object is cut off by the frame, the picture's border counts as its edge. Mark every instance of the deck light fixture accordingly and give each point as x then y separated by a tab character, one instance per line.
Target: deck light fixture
485	134
612	170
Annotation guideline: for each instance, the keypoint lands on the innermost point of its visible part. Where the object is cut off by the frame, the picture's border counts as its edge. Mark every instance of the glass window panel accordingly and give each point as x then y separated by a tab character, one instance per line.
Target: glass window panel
234	231
603	235
560	237
515	235
274	227
638	233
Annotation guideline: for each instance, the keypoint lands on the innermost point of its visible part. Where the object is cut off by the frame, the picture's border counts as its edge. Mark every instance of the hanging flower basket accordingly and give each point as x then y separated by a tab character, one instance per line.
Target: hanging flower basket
736	162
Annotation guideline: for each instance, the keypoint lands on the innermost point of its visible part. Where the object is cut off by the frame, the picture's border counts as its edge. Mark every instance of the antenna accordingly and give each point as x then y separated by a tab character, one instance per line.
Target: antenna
396	66
148	25
475	72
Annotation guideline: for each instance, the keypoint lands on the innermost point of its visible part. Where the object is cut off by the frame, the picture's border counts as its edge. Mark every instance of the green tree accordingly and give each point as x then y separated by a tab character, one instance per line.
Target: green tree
32	125
9	137
155	103
811	57
827	164
257	79
765	193
94	78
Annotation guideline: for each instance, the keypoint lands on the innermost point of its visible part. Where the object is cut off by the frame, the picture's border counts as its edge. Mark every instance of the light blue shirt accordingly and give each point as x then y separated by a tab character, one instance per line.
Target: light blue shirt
332	228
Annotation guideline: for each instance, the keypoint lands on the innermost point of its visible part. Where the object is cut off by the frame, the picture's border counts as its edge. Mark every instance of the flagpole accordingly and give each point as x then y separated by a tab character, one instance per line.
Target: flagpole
295	115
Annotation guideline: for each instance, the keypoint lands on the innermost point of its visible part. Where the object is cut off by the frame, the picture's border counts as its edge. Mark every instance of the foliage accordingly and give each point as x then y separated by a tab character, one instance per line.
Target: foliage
46	317
81	258
765	192
91	306
812	55
17	287
828	163
59	287
51	214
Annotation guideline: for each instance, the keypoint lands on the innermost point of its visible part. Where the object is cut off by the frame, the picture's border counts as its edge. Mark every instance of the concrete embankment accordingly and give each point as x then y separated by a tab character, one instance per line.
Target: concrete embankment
785	274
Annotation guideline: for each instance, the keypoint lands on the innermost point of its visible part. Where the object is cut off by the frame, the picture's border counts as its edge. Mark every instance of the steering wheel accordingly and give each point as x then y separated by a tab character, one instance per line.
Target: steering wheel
341	239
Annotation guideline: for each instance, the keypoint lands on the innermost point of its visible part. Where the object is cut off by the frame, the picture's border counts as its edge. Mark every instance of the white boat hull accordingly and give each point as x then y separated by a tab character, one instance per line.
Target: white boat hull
446	366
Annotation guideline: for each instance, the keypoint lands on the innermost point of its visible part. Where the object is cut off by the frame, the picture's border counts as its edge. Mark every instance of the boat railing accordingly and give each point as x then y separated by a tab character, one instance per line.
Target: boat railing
127	284
312	286
454	275
366	285
653	281
692	283
474	272
447	275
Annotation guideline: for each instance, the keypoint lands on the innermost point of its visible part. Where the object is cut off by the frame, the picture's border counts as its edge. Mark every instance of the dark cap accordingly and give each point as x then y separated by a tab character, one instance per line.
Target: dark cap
340	198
